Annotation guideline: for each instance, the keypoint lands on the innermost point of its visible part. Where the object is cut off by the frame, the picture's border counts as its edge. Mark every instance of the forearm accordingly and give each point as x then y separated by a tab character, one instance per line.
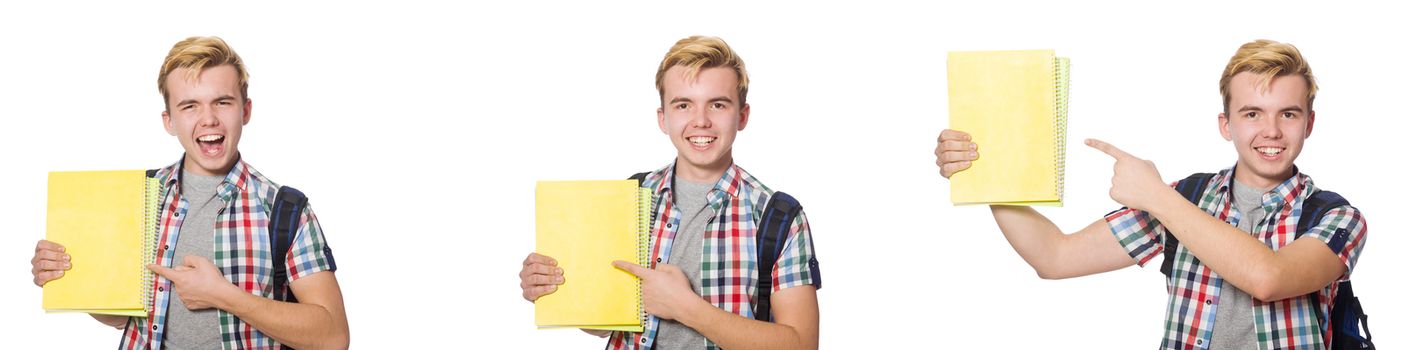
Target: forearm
300	325
731	331
1235	255
1031	235
118	322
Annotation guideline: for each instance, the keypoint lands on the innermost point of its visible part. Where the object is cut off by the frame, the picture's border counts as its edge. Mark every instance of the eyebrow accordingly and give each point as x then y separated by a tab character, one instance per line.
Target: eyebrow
1251	108
714	99
191	100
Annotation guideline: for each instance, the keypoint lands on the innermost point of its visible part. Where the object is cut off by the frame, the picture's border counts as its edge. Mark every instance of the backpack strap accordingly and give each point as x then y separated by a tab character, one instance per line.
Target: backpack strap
1192	188
639	177
1346	310
282	229
776	218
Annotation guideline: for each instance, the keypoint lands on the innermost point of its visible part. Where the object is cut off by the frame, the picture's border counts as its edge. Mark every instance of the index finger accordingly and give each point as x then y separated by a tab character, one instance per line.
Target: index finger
1107	148
45	244
954	135
160	270
535	258
632	268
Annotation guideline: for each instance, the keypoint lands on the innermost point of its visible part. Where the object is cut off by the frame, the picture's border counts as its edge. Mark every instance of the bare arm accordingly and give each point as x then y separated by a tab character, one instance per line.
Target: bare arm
668	295
1055	255
796	323
316	321
1301	267
1042	244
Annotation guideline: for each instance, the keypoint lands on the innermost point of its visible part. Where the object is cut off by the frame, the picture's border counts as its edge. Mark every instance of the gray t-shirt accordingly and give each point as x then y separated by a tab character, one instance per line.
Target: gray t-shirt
186	329
1233	320
691	200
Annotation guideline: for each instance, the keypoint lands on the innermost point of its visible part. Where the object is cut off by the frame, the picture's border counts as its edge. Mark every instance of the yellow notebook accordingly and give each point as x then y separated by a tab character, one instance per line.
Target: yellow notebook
1014	104
585	226
106	221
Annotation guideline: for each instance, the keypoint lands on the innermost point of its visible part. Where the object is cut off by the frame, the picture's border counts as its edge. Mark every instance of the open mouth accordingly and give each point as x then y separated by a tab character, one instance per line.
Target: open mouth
701	141
211	144
1269	151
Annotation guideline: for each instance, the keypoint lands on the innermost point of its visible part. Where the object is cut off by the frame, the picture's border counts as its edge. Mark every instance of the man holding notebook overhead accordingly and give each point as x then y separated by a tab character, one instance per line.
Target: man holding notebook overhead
703	289
218	285
1284	246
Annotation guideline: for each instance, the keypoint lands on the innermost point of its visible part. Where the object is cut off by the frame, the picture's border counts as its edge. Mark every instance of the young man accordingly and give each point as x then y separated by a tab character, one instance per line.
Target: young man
1241	230
699	292
212	286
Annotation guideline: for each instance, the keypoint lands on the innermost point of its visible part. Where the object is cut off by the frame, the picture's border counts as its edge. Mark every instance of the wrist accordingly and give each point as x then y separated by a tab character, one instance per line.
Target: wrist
694	311
228	298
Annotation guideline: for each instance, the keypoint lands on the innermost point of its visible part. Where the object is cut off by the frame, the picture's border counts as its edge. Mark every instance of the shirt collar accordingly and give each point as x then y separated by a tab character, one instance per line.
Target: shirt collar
237	179
729	184
1286	192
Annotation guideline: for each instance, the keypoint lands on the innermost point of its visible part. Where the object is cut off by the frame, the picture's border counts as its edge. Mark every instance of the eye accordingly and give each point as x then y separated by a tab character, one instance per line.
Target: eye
187	107
718	105
1289	115
1251	115
682	106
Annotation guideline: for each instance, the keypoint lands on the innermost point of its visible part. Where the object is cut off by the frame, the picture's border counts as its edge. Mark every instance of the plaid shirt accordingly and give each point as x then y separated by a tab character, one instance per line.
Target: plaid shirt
729	260
241	251
1194	289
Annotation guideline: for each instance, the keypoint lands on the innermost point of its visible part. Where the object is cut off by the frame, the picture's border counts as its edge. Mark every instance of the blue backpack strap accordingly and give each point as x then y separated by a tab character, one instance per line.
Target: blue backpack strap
282	229
1192	188
1347	318
776	219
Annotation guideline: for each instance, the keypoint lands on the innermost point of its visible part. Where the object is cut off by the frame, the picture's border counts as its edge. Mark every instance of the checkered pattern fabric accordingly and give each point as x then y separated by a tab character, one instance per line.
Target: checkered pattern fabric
1194	289
241	251
729	259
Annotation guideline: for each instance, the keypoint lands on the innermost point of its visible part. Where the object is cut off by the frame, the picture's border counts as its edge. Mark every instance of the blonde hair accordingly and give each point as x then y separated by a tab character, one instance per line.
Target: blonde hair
197	53
1271	59
695	53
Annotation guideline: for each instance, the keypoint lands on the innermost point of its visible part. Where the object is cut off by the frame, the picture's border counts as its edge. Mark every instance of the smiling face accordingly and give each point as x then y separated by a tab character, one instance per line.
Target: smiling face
701	116
1267	125
207	114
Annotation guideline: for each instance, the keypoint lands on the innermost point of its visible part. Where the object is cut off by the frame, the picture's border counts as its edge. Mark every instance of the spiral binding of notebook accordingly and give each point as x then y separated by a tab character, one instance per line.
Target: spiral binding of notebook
151	205
1061	82
645	219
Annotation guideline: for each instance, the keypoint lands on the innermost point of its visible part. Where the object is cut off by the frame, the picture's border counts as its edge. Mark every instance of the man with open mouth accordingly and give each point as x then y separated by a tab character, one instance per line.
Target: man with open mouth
217	285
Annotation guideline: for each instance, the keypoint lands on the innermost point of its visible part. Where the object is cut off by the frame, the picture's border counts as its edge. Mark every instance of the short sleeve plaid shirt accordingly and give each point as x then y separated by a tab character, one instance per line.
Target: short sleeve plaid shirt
729	260
1194	289
242	251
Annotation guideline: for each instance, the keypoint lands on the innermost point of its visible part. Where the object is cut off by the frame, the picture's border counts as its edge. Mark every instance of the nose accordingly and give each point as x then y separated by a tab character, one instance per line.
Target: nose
1273	128
206	118
701	120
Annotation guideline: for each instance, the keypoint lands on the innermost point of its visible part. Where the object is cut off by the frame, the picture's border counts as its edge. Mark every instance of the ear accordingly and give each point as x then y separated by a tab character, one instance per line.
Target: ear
1311	122
745	117
1223	127
166	122
661	126
248	110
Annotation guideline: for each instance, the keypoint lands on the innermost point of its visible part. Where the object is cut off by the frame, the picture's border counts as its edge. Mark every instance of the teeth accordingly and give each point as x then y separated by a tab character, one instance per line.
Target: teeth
210	138
701	140
1272	151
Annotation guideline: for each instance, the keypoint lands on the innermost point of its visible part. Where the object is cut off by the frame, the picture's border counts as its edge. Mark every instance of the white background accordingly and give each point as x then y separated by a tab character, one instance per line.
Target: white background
419	130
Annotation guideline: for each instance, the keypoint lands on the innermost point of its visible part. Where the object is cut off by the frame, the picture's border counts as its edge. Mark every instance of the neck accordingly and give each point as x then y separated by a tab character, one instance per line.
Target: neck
1246	177
698	174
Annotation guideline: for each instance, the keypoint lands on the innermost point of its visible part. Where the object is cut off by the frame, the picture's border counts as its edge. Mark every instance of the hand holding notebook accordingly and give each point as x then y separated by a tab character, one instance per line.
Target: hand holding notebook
106	223
1014	104
584	226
